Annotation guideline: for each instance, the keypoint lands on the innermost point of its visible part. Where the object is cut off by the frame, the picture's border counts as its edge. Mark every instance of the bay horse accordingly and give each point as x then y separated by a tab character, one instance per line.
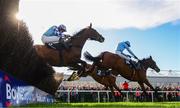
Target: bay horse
71	56
108	60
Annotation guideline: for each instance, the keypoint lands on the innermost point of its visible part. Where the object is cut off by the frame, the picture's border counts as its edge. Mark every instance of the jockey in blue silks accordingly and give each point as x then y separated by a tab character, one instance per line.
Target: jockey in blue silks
121	47
54	35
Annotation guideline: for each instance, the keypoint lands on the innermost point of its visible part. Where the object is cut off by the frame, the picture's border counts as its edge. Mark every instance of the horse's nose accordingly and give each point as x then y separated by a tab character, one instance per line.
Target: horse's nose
157	69
102	39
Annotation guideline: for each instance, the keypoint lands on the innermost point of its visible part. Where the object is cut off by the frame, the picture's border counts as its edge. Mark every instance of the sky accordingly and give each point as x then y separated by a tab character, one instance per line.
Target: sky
152	26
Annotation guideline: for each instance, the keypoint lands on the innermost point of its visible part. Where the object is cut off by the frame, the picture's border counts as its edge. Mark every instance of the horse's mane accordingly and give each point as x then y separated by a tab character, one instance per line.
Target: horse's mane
77	34
144	59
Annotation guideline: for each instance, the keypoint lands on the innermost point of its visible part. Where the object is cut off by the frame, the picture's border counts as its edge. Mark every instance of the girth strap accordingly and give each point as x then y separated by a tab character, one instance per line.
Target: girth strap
133	74
61	58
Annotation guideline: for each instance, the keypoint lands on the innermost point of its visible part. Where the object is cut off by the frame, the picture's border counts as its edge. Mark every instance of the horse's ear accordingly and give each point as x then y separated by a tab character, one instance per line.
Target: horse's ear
150	57
90	26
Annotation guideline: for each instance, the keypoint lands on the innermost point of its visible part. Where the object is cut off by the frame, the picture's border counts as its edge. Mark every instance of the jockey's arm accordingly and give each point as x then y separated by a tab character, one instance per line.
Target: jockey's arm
66	35
129	50
56	32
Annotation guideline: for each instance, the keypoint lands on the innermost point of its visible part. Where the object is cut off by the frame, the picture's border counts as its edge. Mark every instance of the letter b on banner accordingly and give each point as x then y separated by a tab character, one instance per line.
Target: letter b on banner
10	92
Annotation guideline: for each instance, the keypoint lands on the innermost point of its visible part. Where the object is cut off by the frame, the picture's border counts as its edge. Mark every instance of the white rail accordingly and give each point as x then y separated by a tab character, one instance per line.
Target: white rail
107	92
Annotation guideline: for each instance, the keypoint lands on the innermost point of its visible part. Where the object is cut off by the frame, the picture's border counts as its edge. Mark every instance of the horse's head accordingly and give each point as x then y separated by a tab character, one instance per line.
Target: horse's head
93	34
152	64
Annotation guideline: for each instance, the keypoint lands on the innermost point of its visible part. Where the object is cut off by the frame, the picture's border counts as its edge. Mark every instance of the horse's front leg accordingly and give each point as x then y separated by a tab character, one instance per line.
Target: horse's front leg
80	65
117	88
148	84
113	95
143	88
83	63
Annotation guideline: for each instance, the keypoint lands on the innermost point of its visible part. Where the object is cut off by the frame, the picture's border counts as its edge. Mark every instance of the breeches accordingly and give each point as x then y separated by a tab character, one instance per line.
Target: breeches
123	56
50	39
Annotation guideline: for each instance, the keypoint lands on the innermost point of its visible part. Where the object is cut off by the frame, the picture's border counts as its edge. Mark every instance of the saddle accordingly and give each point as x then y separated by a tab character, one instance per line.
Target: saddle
133	64
64	43
56	46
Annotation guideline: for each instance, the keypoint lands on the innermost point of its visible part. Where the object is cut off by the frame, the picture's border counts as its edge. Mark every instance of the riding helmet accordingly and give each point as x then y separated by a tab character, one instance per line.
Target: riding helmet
62	27
128	43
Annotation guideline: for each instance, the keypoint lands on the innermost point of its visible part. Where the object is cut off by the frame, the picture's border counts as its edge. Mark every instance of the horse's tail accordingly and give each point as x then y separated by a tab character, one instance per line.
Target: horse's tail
89	57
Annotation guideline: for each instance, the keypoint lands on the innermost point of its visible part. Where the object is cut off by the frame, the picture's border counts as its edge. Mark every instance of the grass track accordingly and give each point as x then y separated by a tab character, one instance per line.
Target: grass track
111	105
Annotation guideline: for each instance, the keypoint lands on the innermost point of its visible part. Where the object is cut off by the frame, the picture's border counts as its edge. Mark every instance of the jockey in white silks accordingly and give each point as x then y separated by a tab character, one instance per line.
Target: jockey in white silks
54	35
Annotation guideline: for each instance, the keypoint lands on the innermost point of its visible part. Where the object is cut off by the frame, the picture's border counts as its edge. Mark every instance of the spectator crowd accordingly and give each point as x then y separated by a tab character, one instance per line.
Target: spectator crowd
88	92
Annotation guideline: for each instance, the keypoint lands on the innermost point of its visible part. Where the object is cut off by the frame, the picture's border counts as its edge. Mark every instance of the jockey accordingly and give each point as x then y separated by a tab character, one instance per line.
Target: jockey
54	35
121	47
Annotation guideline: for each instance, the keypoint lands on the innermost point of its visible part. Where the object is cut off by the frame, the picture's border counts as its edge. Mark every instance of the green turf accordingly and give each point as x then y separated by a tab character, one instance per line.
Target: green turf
111	105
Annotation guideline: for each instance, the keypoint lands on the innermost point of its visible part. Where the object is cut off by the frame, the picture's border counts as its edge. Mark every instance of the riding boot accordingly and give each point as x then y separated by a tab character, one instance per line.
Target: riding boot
133	64
63	44
66	46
